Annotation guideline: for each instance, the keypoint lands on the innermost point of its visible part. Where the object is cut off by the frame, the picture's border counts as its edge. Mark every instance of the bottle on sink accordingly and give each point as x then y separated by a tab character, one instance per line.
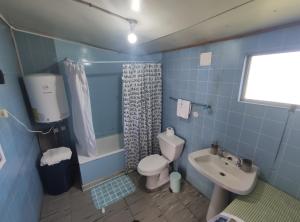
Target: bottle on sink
214	148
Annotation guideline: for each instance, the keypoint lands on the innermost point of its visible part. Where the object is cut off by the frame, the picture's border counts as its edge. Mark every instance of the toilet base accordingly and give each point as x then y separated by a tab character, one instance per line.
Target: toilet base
156	181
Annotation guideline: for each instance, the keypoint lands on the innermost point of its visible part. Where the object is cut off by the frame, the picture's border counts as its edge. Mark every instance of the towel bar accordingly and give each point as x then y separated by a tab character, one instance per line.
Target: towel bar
205	106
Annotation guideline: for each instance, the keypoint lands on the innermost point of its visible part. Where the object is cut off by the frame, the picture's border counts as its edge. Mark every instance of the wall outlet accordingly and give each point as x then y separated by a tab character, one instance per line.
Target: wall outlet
2	158
3	113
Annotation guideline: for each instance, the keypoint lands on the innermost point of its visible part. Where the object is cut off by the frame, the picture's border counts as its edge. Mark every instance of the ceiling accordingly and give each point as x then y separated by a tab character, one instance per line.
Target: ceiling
162	24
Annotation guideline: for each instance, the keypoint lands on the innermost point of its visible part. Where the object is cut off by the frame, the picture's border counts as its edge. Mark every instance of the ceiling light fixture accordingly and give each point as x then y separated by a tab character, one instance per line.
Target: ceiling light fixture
135	5
132	38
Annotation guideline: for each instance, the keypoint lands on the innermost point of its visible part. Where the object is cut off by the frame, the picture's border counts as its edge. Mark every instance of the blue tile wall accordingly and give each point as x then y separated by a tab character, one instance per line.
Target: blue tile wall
104	82
37	54
247	130
105	91
41	54
21	191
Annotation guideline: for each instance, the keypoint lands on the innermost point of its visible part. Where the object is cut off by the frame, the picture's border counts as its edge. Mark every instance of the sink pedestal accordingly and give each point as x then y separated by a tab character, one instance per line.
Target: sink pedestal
218	202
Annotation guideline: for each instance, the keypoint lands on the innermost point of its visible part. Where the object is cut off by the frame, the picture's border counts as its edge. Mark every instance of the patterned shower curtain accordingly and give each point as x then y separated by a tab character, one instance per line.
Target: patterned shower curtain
142	107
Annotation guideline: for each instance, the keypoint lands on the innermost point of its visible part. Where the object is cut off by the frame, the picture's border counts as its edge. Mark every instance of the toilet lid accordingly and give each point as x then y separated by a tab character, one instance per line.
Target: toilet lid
152	164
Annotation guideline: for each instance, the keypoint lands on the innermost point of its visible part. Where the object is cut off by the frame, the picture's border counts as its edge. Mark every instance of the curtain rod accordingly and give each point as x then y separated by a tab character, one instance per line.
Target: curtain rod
112	61
86	62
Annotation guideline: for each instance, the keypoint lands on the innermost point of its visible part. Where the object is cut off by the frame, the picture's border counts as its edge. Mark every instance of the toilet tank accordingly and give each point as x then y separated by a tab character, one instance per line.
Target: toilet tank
170	146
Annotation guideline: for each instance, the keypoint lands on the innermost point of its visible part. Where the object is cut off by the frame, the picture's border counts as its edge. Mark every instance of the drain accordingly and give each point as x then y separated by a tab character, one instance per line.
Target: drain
222	174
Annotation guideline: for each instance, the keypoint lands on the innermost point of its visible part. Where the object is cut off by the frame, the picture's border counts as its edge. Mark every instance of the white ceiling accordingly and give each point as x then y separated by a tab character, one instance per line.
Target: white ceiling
162	24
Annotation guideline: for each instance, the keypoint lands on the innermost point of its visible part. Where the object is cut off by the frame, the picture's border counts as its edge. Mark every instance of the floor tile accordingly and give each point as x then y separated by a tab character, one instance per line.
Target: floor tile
160	206
86	214
150	213
123	216
58	217
198	208
141	205
182	215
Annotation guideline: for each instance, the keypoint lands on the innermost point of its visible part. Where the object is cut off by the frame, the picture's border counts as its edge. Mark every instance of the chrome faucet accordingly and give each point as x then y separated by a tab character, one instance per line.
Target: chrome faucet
239	162
221	152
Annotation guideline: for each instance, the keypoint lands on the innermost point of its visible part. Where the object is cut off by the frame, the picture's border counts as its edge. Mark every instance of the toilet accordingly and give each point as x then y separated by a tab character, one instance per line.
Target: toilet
156	167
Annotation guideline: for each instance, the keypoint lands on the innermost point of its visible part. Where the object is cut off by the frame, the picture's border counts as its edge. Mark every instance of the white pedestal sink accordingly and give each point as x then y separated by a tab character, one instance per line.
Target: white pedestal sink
226	176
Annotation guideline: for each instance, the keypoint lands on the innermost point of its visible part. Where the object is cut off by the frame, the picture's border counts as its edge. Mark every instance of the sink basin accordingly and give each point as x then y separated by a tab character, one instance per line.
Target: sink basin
223	171
226	176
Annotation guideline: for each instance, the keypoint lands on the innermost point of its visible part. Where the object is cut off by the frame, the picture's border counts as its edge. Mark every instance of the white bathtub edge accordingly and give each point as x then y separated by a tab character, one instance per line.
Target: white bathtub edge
84	159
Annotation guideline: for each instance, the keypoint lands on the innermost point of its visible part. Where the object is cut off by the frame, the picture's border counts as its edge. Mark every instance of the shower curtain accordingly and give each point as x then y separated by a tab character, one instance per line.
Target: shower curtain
142	107
81	108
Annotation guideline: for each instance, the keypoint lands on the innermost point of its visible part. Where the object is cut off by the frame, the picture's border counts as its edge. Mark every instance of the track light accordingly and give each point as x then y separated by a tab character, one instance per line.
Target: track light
132	38
135	5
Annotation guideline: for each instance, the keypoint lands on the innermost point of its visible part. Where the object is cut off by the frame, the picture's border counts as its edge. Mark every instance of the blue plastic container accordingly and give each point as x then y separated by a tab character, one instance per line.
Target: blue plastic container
175	182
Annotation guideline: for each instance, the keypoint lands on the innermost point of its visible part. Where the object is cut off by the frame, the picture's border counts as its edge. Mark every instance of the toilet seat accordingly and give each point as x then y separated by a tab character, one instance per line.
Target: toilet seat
152	165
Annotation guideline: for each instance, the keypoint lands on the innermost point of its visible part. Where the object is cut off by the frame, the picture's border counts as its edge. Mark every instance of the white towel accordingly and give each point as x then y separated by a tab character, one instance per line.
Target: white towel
183	108
56	155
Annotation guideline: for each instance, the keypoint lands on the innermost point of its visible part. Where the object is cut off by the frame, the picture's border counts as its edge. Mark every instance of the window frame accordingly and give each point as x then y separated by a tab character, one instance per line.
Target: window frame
244	81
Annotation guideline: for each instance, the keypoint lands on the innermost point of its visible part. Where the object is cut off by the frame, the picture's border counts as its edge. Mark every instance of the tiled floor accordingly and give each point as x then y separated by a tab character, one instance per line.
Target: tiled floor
160	206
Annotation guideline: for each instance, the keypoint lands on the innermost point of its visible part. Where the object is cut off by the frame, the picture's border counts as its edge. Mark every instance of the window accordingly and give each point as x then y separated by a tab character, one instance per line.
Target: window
272	79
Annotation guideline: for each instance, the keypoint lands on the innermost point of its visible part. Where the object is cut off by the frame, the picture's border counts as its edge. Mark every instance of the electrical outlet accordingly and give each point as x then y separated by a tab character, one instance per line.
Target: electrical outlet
2	158
3	113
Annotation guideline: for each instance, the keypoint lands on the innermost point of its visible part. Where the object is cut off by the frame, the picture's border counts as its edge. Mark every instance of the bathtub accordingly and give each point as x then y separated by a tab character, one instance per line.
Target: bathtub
109	161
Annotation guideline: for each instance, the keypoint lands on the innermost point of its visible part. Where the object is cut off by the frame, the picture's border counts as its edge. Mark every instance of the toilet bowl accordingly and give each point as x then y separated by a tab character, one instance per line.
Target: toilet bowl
156	167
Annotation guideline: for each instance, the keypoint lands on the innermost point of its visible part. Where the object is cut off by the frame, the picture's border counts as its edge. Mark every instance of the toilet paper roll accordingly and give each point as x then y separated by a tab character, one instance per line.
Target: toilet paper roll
170	131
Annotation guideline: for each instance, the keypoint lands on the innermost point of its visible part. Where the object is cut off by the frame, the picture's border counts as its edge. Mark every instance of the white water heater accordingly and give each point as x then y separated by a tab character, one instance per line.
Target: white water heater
47	97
